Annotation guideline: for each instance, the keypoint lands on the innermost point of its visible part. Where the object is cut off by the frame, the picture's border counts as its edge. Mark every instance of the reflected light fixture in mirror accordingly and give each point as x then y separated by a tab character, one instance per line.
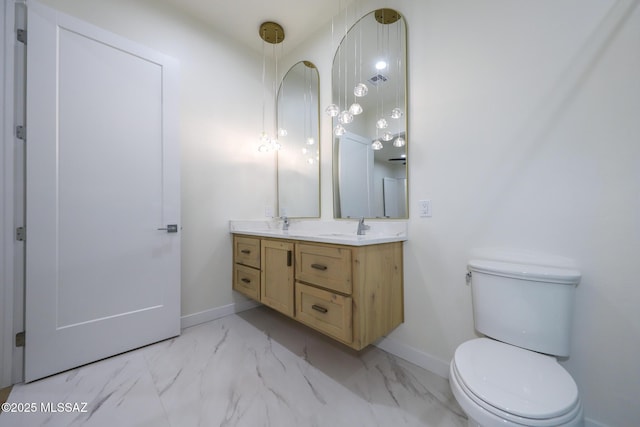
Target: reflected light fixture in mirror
298	170
273	33
370	153
383	50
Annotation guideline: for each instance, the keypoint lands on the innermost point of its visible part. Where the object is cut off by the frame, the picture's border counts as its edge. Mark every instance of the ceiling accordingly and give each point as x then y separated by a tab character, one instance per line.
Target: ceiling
241	19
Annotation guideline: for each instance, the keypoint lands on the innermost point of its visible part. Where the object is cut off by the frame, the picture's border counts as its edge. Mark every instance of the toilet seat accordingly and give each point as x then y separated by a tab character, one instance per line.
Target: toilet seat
514	384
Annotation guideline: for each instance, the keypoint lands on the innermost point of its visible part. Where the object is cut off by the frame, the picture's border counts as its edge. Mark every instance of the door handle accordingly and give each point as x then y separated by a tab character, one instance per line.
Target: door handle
170	228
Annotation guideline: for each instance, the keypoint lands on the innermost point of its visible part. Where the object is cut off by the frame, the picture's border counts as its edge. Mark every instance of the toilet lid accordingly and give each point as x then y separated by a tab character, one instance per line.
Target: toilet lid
514	380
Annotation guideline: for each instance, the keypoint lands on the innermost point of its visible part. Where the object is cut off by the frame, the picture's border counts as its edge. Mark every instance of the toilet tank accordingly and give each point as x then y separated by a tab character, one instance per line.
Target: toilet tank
528	306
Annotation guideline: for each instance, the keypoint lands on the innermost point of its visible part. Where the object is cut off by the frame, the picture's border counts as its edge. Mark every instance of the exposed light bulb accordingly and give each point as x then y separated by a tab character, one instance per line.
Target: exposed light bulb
310	141
355	109
381	65
387	136
382	123
263	148
310	160
282	132
377	145
332	110
360	90
339	130
264	138
399	142
396	113
345	117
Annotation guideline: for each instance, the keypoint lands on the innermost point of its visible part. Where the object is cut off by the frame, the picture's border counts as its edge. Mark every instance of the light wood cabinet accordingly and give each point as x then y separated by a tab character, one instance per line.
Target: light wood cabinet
353	294
276	286
246	266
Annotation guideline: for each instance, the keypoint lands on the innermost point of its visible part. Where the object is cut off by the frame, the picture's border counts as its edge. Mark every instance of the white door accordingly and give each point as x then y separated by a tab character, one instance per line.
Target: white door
395	197
355	166
102	179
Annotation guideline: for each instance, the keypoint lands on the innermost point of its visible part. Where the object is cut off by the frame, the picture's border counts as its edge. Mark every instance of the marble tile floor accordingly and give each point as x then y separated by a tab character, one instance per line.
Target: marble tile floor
255	368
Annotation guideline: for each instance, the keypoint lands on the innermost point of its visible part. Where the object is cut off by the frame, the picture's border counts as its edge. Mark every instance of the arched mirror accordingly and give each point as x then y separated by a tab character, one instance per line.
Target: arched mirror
369	79
298	134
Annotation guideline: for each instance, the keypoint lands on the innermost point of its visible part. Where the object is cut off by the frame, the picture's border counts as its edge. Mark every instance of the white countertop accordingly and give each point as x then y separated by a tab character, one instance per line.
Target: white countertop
341	232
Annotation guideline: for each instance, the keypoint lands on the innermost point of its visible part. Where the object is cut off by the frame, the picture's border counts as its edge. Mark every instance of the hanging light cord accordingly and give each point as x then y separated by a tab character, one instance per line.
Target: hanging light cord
275	81
263	77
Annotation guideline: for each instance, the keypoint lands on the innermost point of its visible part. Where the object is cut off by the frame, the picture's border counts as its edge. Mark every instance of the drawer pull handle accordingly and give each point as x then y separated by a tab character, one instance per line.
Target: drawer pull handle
319	308
319	267
289	258
246	251
245	280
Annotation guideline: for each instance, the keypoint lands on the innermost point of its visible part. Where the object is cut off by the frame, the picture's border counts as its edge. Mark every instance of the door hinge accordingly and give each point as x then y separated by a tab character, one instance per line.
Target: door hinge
21	35
20	339
21	234
21	133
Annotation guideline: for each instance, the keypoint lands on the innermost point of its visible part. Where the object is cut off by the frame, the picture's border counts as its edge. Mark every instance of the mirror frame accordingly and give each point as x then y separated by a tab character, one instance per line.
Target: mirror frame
281	210
378	15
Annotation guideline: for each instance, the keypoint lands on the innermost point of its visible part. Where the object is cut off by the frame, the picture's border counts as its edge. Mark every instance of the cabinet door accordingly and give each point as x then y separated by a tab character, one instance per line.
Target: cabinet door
276	290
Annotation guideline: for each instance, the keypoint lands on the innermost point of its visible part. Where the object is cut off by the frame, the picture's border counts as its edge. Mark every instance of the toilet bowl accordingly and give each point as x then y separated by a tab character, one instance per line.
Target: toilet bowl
497	384
511	378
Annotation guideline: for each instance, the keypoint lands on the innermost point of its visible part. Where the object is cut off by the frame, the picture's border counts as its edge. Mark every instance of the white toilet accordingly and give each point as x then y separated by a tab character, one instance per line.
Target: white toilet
512	378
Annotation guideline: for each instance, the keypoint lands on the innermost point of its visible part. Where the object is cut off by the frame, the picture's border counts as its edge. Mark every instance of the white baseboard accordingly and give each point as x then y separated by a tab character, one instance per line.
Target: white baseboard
591	423
216	313
415	356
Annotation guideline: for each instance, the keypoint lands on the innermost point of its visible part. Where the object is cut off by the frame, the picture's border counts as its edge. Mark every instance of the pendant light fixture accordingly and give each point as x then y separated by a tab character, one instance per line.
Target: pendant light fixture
273	33
346	107
360	89
333	110
397	112
387	17
308	102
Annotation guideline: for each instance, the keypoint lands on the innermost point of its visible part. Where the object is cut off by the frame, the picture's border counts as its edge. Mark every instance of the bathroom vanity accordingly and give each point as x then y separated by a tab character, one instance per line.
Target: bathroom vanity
345	286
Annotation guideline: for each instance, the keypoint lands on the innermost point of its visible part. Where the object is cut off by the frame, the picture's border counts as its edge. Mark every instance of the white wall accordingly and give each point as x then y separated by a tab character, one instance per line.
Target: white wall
524	132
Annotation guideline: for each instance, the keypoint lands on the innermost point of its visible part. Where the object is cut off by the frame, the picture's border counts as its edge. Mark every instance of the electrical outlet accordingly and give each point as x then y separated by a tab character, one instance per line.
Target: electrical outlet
424	208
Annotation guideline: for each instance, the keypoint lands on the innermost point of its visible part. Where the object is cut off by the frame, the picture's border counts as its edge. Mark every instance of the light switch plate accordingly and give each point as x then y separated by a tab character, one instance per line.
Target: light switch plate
424	208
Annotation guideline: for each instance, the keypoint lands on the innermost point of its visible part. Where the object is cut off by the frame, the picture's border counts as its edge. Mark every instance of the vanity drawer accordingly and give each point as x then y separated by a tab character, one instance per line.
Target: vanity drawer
246	280
246	251
325	311
326	266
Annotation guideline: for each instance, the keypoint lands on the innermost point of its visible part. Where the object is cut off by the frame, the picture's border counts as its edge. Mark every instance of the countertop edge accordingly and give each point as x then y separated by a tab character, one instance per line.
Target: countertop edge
337	240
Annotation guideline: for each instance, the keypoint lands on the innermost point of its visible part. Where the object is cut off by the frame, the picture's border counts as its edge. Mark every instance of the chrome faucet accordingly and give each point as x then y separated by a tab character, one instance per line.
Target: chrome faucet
285	223
362	227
